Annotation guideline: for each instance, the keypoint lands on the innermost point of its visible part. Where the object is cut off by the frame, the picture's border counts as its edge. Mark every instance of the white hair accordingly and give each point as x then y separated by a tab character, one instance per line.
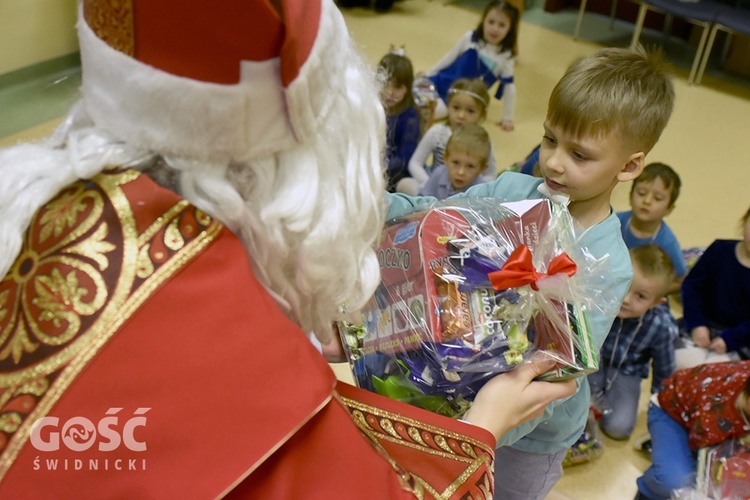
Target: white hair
309	216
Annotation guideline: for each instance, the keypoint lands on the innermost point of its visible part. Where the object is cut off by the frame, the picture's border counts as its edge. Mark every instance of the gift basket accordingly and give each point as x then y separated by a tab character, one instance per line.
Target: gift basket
469	290
723	472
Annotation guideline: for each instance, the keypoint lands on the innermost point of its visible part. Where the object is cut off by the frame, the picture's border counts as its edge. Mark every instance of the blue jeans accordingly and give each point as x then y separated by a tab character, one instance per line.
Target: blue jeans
673	463
618	403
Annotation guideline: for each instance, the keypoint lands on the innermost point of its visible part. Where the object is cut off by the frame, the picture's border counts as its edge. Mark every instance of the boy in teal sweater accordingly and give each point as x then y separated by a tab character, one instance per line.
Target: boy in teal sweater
603	117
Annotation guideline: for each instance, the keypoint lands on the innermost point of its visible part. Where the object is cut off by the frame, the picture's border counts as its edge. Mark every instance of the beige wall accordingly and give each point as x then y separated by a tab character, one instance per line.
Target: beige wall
34	31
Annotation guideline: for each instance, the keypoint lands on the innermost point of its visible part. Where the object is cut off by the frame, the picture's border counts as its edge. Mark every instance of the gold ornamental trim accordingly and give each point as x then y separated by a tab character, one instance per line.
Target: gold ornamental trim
415	436
78	279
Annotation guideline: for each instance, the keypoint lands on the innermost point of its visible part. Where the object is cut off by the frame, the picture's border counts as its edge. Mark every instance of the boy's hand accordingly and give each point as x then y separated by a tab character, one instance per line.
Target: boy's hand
506	125
718	345
701	336
513	398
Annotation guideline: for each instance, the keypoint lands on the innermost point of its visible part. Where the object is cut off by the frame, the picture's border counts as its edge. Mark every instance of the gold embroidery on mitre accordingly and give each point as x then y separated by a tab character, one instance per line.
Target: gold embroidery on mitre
112	22
75	283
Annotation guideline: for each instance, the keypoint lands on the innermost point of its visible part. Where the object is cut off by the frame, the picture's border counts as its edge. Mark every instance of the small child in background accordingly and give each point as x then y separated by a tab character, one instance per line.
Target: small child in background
488	52
466	156
716	303
697	407
652	197
467	103
402	118
642	334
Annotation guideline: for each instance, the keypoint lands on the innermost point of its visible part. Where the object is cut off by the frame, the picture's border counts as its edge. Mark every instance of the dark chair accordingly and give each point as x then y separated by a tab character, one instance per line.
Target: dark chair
582	11
701	13
732	20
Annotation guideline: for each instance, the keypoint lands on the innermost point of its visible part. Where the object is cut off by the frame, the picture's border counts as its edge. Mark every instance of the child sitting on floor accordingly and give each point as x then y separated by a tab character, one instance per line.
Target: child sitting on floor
403	128
489	53
715	303
652	197
642	334
466	157
467	103
697	407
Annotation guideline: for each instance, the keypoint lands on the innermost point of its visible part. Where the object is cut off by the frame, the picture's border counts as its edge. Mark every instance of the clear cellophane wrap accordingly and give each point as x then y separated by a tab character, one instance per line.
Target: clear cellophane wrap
723	472
469	290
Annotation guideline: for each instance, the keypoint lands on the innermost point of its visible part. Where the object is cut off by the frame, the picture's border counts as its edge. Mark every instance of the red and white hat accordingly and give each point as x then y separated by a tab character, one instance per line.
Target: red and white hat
210	80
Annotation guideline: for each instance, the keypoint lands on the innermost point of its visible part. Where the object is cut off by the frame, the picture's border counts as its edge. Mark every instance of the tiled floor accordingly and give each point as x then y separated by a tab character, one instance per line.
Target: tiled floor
706	142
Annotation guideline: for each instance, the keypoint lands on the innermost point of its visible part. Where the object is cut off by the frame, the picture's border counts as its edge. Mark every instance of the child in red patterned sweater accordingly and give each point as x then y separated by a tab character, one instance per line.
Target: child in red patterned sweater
698	407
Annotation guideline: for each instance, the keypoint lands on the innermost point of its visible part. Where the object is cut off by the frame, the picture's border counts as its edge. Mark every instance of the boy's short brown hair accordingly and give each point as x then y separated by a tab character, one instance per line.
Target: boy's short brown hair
471	139
622	90
660	171
653	261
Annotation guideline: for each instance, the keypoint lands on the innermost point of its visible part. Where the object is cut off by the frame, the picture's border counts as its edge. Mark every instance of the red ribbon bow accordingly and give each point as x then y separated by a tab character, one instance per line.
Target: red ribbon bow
519	270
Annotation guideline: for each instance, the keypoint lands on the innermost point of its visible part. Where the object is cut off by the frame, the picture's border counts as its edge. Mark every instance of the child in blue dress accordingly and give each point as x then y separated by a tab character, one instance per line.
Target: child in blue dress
403	128
488	52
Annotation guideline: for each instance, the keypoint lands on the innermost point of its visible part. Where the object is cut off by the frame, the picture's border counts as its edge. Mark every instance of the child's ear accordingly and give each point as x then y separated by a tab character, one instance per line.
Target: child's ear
633	167
658	302
669	210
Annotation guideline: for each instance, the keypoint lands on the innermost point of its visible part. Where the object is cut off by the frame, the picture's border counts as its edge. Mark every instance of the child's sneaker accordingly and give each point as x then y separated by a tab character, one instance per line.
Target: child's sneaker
643	443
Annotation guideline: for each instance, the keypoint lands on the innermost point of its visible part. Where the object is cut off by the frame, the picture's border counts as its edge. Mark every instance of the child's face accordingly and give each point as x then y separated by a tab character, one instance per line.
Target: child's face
392	94
463	168
586	168
463	109
495	26
650	200
645	292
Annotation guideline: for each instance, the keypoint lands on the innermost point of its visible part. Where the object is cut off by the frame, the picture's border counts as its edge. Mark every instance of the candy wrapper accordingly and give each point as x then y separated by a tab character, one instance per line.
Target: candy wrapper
470	290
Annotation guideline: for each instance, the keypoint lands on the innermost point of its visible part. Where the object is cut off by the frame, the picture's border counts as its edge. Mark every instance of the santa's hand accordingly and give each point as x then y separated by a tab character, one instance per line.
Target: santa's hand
701	336
513	398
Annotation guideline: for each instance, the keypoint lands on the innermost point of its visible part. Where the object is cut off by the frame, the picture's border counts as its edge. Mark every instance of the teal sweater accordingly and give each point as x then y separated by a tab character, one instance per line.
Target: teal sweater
563	421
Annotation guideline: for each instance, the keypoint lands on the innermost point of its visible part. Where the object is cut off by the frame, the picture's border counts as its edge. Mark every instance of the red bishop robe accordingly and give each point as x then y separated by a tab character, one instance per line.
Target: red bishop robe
140	357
